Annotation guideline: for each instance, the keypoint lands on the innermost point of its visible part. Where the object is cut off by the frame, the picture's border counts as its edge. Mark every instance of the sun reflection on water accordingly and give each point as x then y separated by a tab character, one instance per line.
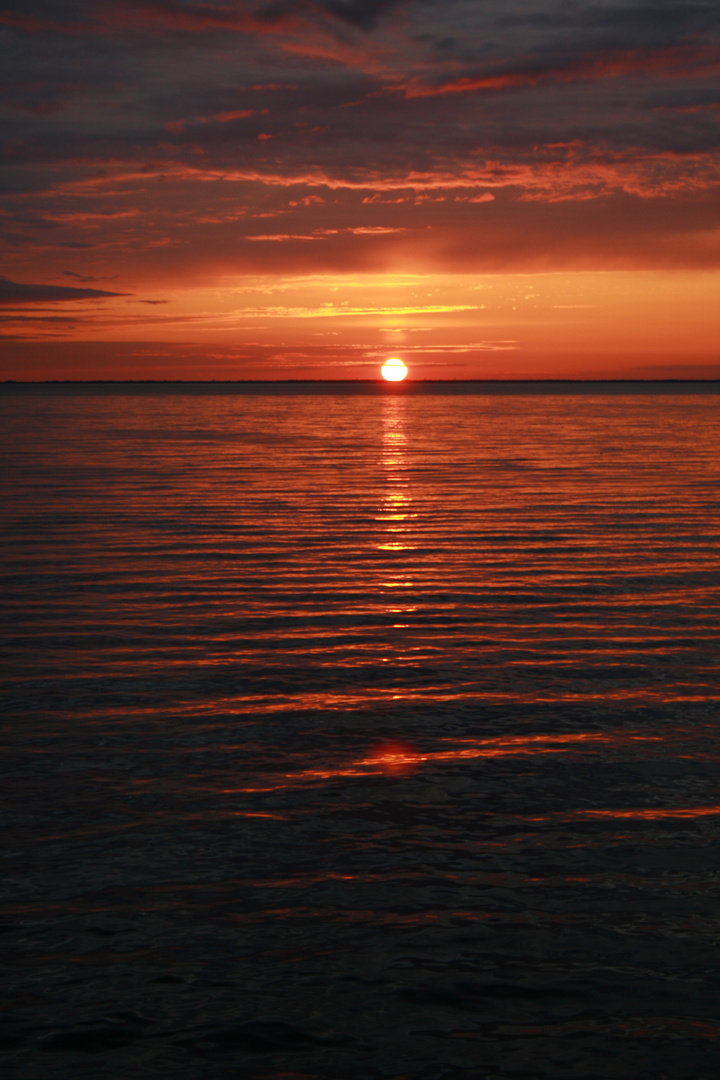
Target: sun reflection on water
394	512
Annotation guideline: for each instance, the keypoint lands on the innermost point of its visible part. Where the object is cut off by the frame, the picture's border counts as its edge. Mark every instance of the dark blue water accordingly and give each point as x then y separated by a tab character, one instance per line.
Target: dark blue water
359	732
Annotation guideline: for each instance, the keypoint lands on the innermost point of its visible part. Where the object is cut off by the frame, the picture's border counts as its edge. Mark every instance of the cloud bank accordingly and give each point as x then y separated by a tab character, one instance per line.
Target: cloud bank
171	144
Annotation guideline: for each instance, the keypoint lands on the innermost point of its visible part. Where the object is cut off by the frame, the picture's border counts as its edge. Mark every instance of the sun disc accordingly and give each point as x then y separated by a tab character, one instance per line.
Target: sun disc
393	370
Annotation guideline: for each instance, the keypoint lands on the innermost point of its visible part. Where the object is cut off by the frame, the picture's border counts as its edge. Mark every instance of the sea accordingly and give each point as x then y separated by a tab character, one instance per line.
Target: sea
355	732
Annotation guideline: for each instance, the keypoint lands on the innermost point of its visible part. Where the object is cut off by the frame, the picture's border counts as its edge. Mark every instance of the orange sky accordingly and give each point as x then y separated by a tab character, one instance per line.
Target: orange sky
239	190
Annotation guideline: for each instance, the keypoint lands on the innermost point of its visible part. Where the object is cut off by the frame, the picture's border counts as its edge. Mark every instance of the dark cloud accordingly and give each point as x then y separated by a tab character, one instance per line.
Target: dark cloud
667	20
78	277
12	317
15	292
362	13
685	99
96	17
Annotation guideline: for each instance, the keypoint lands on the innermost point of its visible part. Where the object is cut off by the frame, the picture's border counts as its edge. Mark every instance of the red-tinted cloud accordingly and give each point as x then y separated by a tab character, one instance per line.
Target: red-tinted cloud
690	60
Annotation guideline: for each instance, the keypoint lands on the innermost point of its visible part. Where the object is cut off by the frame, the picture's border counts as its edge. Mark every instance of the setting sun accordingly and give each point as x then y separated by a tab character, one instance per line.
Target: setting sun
393	370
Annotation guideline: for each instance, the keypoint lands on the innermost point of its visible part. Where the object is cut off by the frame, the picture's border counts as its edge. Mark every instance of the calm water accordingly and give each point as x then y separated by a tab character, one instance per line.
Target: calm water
359	733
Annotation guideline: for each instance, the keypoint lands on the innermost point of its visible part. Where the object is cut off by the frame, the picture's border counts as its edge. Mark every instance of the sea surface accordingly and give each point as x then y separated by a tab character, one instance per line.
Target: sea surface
356	732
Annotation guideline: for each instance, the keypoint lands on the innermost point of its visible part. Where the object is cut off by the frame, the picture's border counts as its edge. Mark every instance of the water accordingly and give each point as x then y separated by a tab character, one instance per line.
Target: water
361	733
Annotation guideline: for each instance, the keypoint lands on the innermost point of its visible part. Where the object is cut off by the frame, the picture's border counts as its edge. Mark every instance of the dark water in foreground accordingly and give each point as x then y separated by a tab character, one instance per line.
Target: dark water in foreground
361	734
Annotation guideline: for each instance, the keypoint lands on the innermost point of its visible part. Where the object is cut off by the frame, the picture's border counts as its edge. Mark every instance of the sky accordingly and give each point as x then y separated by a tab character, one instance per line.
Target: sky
242	189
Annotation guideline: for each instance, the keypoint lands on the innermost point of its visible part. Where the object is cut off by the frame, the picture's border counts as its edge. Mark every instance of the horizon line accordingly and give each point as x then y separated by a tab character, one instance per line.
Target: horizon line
341	382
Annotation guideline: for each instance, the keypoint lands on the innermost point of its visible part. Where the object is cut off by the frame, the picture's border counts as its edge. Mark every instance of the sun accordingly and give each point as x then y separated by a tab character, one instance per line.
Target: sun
393	370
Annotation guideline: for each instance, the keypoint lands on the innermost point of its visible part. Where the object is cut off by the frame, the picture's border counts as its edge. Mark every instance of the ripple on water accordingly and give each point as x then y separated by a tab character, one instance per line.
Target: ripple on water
356	734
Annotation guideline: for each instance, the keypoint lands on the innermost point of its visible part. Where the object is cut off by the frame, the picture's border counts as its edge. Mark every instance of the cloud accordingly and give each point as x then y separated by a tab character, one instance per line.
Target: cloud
83	19
402	135
326	234
673	62
14	292
363	14
240	16
329	311
78	277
